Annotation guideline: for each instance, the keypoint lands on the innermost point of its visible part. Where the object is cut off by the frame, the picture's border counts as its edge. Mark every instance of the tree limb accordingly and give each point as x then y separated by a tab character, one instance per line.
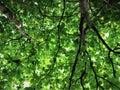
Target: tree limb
10	16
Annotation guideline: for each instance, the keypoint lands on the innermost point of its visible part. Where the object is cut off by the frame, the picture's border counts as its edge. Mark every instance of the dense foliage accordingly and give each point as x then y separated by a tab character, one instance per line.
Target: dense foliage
55	59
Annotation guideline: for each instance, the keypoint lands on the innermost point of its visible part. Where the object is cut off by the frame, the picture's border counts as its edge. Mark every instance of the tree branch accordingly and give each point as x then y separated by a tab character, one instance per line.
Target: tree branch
11	17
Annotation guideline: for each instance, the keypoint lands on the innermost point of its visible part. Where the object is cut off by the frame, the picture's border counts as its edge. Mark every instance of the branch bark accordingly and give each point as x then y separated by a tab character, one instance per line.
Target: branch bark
4	10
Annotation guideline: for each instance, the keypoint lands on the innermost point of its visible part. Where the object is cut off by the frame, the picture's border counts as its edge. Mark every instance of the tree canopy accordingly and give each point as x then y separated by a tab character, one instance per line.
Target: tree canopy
59	45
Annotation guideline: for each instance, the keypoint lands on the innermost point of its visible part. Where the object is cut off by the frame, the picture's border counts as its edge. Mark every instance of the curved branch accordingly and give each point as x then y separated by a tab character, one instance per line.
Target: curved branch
94	72
111	83
11	17
103	41
111	61
58	26
74	66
